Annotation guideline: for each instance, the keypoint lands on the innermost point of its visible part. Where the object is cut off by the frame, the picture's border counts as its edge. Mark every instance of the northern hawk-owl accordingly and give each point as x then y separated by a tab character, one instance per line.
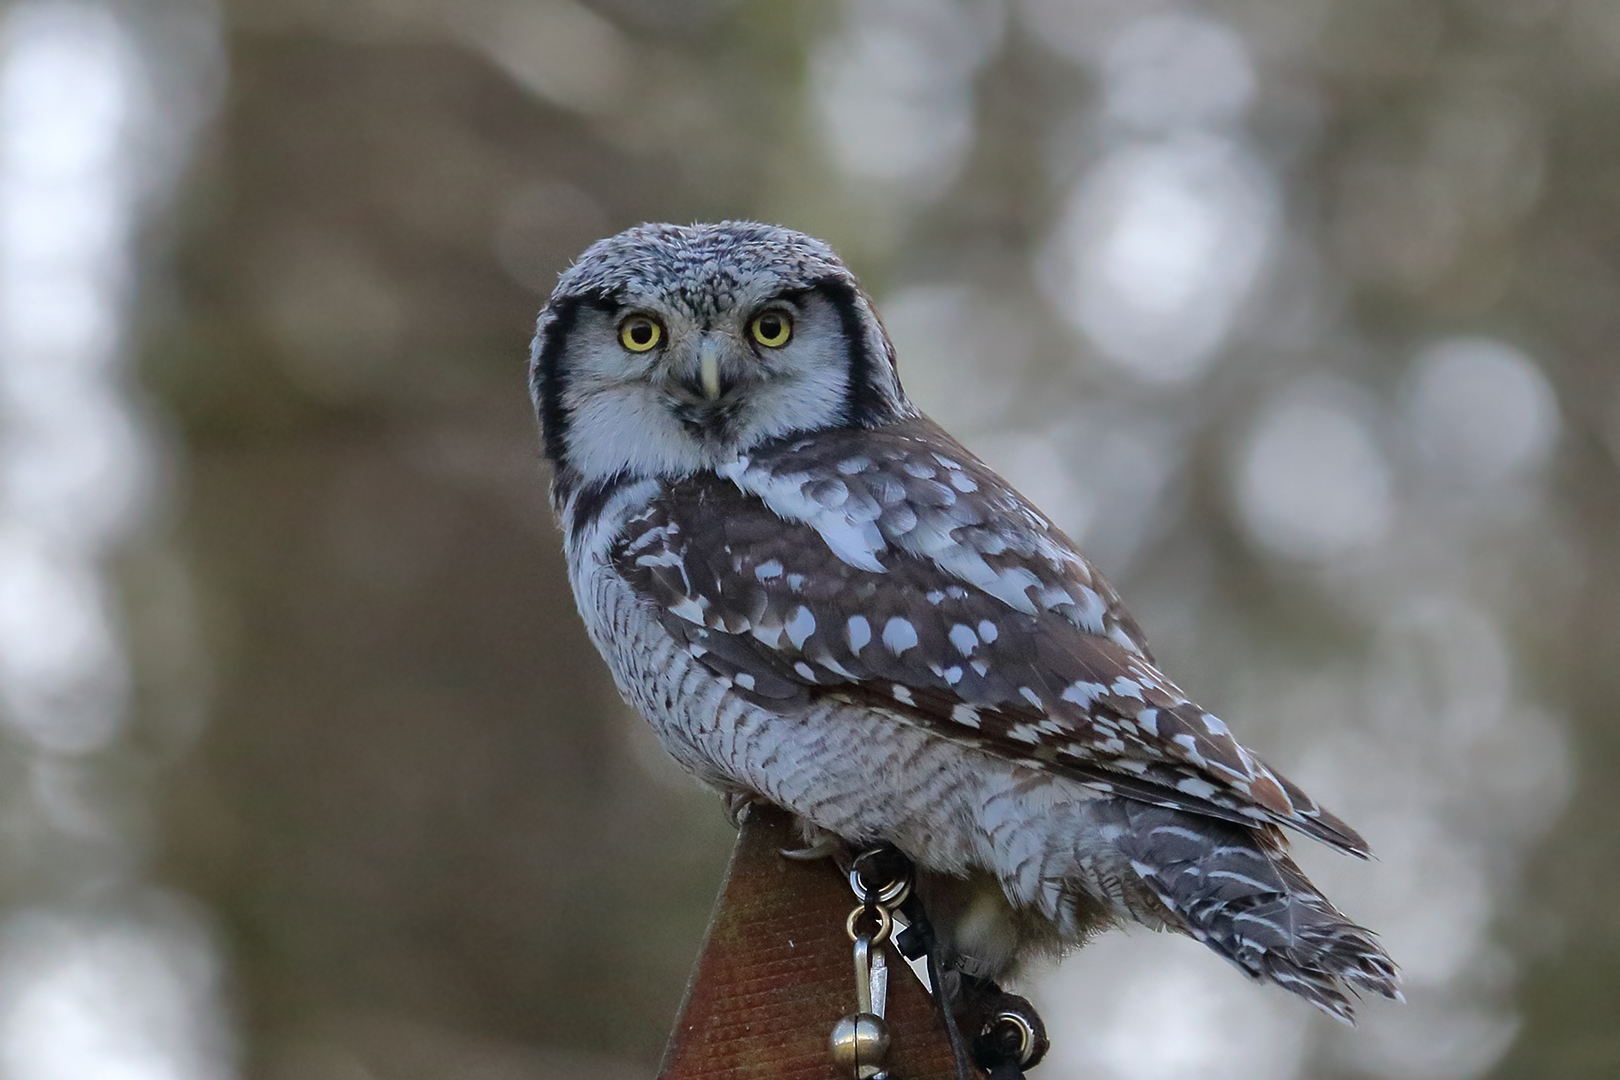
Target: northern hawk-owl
820	599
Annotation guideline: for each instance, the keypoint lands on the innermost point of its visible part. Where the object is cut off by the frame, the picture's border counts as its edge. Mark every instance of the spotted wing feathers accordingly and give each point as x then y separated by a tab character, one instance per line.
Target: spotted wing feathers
893	568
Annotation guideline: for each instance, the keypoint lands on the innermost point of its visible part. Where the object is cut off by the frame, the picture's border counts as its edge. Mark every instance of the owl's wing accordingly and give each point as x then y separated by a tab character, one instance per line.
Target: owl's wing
893	569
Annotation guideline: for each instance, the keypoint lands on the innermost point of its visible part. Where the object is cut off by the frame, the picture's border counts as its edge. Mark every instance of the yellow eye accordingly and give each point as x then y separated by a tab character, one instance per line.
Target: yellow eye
639	333
772	329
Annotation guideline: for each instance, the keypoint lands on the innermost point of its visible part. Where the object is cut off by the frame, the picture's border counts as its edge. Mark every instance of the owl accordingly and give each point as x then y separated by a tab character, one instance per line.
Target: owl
820	600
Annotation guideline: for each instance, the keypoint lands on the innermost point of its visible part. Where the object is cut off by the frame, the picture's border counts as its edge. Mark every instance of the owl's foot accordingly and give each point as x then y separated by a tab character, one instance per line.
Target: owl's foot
1008	1035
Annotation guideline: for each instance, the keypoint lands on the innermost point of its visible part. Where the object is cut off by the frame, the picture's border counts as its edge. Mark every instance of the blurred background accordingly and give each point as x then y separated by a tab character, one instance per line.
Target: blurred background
1299	315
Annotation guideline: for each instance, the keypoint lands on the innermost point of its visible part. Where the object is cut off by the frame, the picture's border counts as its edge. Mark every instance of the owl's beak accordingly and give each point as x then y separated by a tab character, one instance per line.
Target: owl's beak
701	392
709	368
708	373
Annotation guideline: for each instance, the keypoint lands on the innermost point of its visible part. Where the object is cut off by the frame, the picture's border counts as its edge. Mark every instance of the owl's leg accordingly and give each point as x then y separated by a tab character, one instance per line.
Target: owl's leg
1003	1033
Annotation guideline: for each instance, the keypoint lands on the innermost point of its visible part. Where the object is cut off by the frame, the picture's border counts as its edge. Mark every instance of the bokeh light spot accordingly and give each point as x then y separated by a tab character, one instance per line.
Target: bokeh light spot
892	93
1312	483
1480	410
85	998
1159	247
1175	69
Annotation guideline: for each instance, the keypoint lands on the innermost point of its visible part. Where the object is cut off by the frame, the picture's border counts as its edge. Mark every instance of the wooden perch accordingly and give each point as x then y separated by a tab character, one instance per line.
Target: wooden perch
776	974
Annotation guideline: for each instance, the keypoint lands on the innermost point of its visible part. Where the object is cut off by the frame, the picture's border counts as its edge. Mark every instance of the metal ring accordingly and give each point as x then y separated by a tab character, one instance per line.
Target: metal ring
891	894
885	925
1026	1033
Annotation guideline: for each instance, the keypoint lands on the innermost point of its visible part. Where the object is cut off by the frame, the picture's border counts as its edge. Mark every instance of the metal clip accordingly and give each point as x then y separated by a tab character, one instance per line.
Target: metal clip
860	1041
871	977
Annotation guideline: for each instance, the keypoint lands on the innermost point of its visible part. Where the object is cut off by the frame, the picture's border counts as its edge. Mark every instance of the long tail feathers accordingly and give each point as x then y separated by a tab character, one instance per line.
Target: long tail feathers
1235	890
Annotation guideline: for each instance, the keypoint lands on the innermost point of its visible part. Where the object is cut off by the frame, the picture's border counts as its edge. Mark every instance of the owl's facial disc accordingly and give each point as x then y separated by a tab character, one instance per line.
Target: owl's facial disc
671	349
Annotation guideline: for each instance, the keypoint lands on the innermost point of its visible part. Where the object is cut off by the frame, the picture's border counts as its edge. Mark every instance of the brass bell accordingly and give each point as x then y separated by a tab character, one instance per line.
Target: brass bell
860	1042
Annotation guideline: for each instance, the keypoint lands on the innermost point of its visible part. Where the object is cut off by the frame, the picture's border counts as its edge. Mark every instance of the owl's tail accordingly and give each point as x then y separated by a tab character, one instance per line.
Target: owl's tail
1234	889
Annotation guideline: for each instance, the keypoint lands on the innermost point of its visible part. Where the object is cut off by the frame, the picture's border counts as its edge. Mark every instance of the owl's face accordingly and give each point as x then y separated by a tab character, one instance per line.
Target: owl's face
668	349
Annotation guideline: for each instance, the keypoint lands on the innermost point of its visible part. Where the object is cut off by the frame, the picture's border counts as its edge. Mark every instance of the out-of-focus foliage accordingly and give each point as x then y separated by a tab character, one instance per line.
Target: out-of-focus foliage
1300	315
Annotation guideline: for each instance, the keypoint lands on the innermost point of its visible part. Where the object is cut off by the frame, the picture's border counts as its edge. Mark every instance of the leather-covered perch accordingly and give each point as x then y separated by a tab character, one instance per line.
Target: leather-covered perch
776	973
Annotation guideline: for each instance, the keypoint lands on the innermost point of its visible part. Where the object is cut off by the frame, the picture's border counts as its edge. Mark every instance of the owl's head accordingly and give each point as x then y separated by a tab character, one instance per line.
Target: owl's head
668	349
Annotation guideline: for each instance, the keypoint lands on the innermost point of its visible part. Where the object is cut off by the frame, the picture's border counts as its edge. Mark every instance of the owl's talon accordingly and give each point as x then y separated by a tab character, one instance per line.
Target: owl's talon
737	804
825	847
